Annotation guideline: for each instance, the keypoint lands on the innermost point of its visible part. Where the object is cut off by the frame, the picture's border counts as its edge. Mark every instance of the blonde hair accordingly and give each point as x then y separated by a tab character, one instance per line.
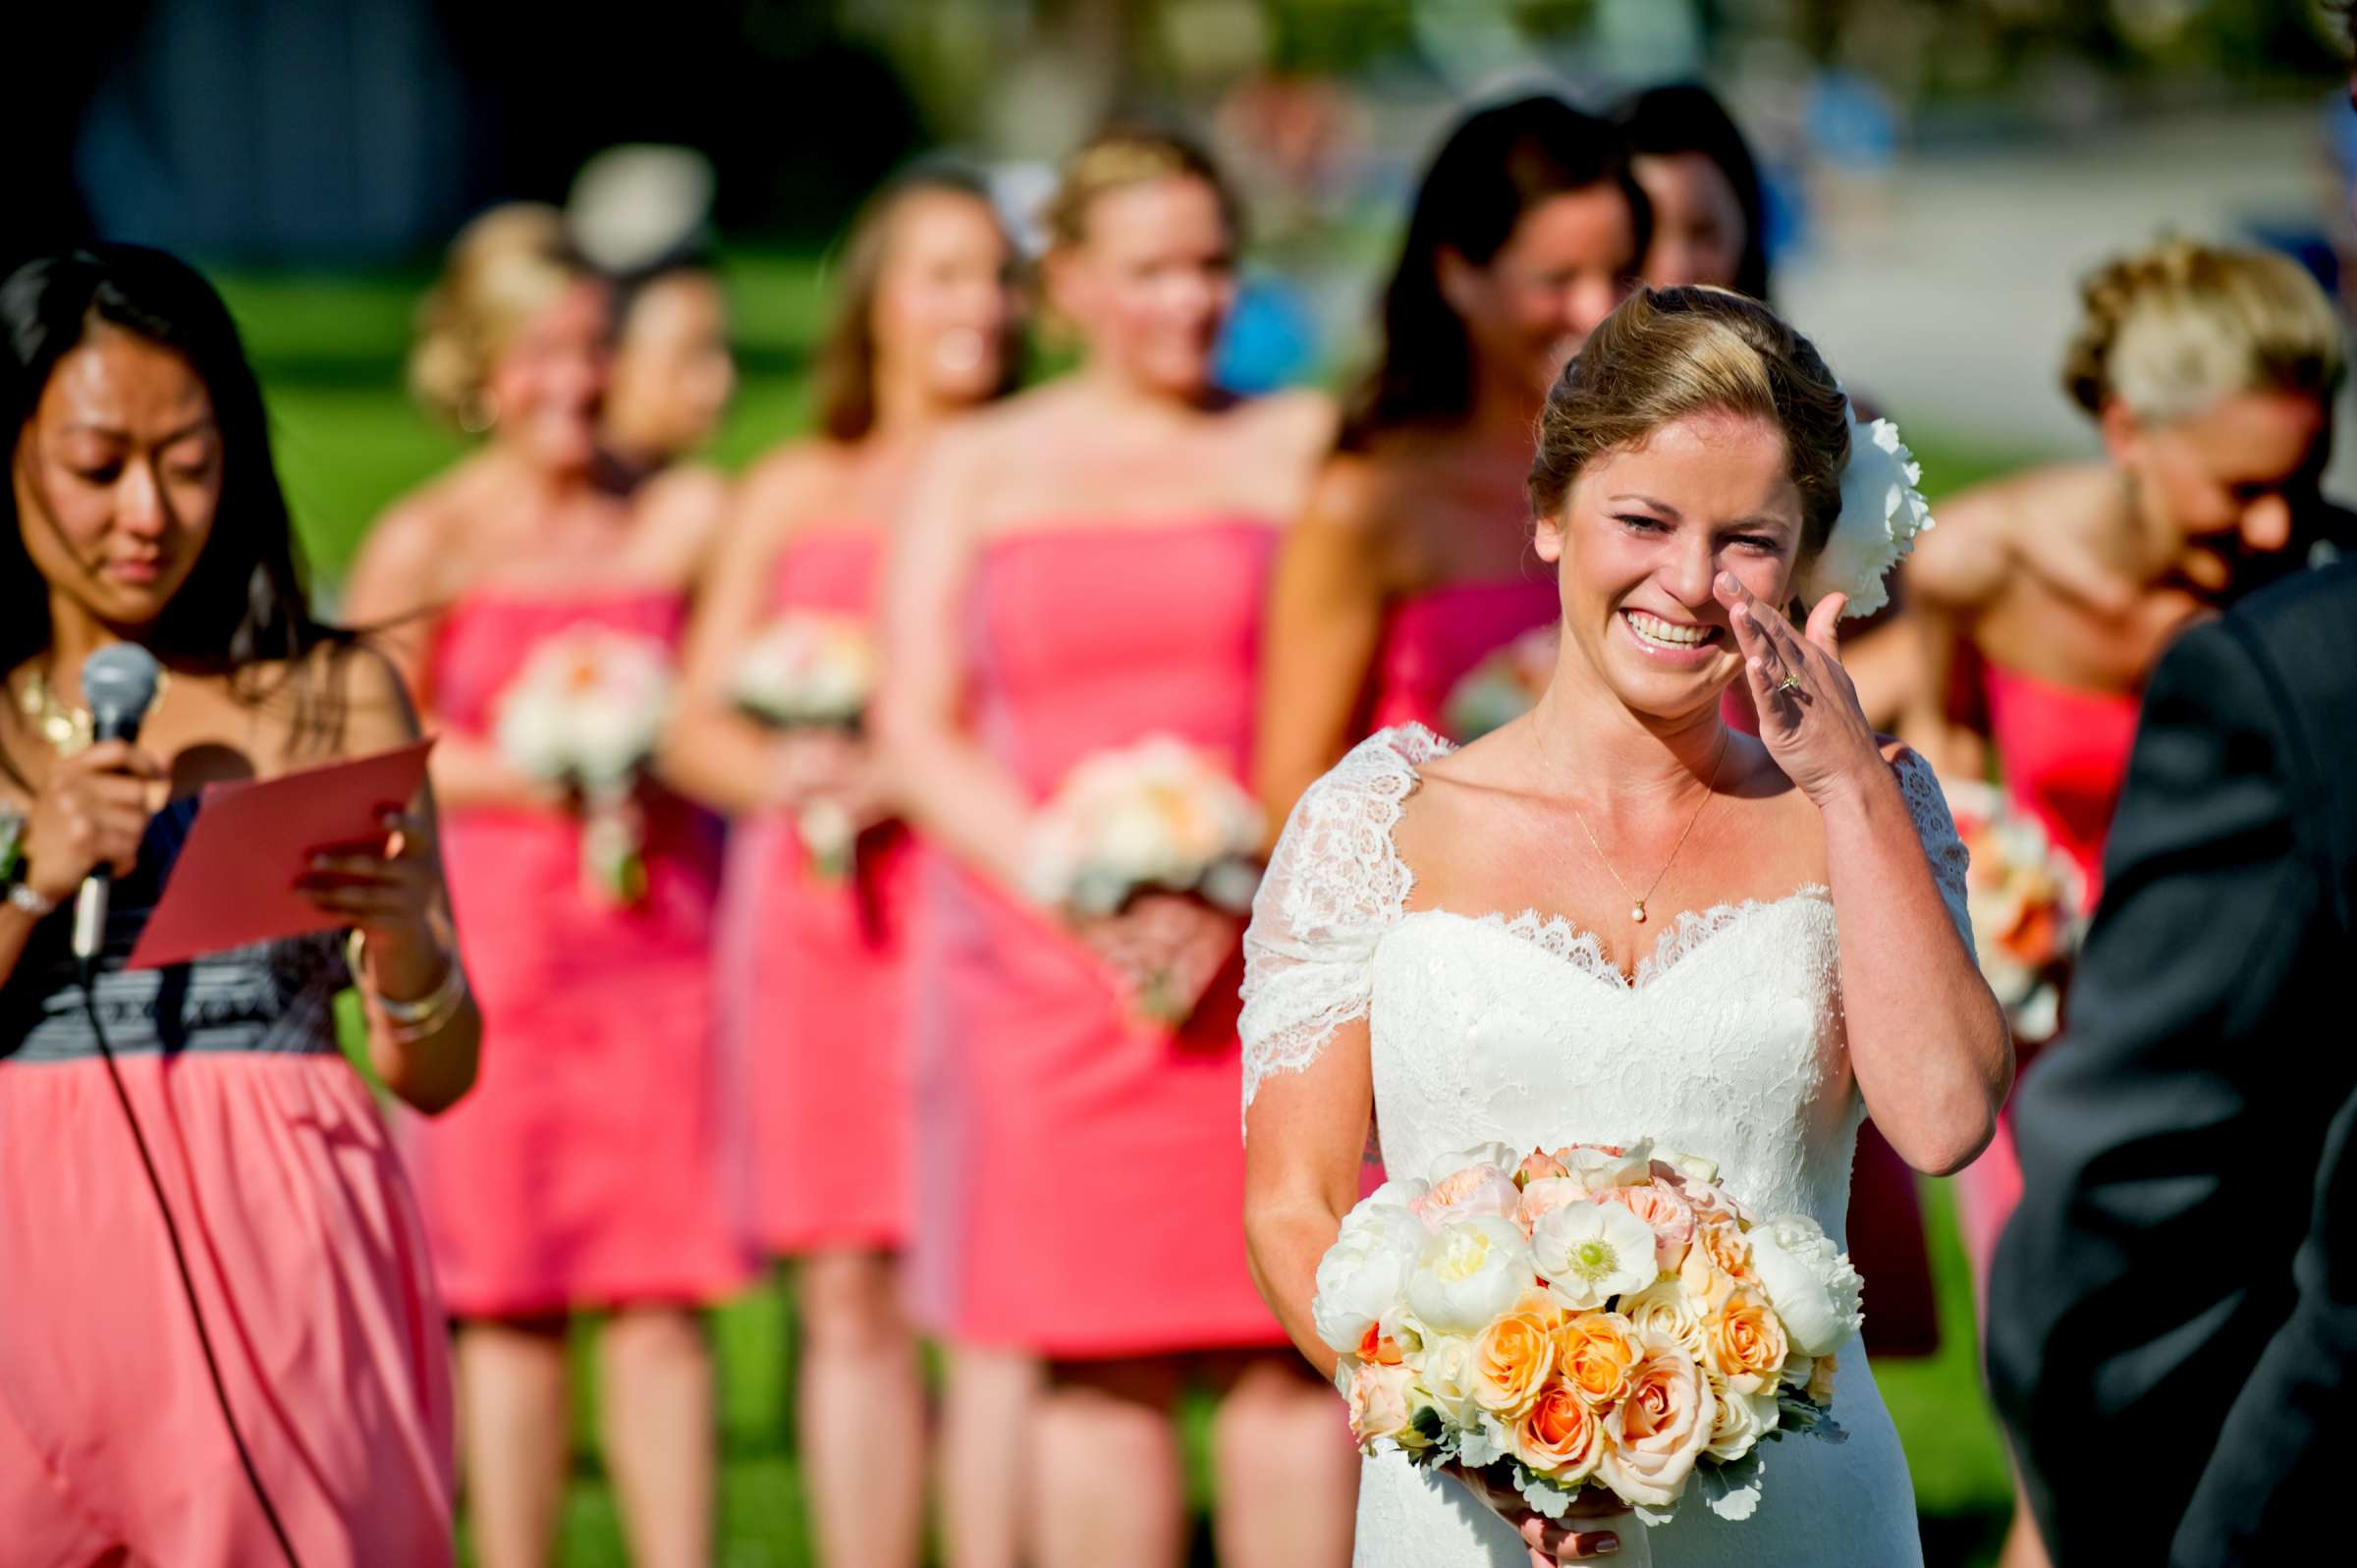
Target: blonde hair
1116	158
1668	353
503	267
2174	329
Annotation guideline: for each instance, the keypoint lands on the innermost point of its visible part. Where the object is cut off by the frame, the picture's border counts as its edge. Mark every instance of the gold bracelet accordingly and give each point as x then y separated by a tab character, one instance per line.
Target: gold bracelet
414	1018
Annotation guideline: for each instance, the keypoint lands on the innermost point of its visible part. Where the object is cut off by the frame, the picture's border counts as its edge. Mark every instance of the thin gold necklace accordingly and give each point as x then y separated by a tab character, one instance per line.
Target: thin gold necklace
68	730
1636	902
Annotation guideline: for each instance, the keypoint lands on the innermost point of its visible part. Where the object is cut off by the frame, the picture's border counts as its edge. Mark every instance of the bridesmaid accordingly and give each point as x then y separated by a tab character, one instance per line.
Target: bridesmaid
2043	600
1078	568
1412	563
671	374
584	1173
813	979
143	508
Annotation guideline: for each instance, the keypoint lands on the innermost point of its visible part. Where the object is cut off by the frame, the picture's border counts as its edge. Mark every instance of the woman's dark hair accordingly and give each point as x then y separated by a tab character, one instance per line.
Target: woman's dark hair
843	370
695	259
244	604
1495	166
1686	117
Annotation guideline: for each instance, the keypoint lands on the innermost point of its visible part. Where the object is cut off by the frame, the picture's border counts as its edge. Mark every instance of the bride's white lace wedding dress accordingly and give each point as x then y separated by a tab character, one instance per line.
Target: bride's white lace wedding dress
1725	1042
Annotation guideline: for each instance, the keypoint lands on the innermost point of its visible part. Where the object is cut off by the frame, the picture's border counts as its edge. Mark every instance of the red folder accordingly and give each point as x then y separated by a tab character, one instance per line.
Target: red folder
233	880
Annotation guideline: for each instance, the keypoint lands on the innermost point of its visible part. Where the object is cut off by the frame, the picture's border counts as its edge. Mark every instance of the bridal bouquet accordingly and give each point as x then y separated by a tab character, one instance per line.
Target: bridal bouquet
1157	815
1503	686
812	670
2028	907
585	711
1596	1317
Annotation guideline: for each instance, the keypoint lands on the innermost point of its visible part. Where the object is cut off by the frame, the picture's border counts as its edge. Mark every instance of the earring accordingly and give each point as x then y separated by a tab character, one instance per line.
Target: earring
479	411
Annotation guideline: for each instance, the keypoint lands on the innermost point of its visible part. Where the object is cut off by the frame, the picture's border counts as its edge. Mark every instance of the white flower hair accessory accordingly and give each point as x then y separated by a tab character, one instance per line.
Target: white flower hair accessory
1881	512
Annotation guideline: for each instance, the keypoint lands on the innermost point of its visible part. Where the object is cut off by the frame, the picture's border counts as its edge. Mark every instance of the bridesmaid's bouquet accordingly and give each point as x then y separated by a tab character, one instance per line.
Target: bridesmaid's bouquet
1158	815
1597	1317
1503	686
811	669
586	711
2027	902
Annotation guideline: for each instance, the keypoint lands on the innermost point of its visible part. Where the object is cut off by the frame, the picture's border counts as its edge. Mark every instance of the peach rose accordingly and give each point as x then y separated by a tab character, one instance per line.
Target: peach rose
1598	1351
1659	1430
1719	1257
1378	1347
1673	1221
1539	1166
1379	1399
1479	1189
1559	1436
1512	1359
1744	1342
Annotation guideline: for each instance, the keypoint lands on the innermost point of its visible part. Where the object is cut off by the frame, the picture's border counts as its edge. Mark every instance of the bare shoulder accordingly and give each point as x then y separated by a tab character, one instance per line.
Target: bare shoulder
413	555
1349	494
680	511
345	697
784	485
1297	426
1963	561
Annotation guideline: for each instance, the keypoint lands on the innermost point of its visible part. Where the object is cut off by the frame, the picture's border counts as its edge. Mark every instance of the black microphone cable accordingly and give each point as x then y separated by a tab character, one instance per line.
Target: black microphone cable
180	1261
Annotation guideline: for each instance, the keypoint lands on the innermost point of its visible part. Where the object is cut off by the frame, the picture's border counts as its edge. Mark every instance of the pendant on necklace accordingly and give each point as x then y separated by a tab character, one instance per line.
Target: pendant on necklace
1637	914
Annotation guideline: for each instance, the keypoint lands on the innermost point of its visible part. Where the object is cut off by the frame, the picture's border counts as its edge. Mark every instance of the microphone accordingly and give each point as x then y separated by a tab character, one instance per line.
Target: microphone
117	683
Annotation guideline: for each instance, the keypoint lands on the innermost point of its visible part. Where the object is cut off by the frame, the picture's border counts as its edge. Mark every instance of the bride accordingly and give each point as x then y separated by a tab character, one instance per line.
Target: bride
1737	946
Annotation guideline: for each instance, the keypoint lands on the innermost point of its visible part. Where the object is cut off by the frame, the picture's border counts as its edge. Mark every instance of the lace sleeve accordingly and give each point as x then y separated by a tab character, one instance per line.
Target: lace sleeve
1334	885
1927	805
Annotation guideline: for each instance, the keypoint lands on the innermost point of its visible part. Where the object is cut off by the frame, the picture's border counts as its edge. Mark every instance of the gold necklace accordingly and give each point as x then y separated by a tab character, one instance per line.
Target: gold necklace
68	730
1636	902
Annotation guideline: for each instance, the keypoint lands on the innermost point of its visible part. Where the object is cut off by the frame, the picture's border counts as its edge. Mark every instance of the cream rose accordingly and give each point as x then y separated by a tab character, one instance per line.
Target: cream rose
1742	1421
1660	1430
1592	1252
1444	1369
1380	1402
1468	1272
1512	1359
1744	1342
1665	1309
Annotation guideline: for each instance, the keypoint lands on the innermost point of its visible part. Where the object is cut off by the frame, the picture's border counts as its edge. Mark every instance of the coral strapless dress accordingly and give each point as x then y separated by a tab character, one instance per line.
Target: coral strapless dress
2064	753
301	1236
1433	639
812	988
587	1167
1080	1183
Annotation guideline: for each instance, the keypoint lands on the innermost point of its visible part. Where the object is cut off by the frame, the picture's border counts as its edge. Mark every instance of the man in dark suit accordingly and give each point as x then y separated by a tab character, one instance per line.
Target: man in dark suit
2172	1334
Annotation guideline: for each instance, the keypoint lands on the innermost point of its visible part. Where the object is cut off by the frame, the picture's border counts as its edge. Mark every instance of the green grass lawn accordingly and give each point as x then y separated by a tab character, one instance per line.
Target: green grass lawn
330	351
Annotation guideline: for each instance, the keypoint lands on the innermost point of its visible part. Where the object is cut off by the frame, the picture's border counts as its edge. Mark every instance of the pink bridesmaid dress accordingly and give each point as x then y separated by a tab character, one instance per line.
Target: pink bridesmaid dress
812	988
300	1230
2064	753
1432	641
1080	1181
587	1167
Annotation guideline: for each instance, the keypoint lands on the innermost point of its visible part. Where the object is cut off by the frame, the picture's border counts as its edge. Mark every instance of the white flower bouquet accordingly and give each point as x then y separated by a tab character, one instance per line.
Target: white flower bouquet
586	711
1597	1317
2028	906
1503	686
806	670
1157	815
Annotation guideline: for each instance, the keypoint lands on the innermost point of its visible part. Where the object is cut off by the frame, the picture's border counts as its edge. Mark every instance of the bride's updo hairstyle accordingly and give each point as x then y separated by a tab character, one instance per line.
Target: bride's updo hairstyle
1668	353
2176	329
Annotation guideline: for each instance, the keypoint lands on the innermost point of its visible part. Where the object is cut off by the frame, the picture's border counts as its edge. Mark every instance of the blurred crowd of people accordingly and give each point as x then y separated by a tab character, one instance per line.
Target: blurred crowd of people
885	1059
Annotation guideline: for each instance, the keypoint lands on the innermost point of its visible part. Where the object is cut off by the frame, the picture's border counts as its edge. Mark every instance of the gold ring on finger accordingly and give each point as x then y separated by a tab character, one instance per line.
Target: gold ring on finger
1788	683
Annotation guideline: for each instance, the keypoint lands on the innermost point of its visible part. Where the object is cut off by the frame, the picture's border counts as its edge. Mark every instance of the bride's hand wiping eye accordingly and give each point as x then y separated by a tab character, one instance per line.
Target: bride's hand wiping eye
1810	719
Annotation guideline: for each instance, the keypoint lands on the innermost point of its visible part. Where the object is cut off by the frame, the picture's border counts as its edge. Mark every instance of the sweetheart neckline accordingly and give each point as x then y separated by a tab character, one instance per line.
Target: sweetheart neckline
1583	952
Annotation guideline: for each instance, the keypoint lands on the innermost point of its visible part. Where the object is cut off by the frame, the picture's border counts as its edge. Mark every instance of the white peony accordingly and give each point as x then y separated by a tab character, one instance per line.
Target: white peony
1881	512
1361	1279
1592	1252
1809	1281
1601	1170
1471	1271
